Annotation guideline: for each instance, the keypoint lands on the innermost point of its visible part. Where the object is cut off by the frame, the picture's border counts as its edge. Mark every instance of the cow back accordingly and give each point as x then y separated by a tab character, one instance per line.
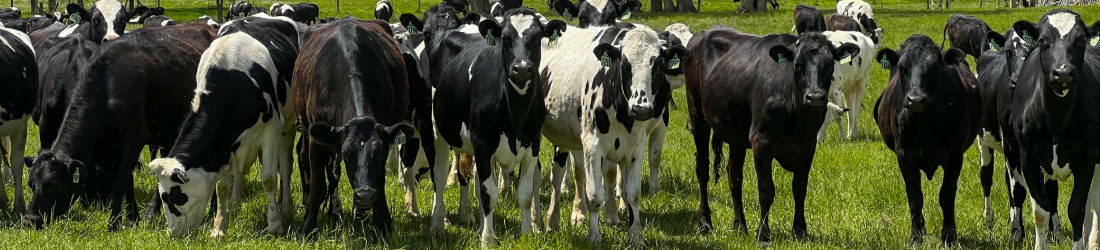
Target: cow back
59	62
20	74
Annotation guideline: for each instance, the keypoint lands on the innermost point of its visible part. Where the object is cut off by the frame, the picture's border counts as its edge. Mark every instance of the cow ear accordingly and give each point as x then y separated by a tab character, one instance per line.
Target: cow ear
887	58
179	176
782	55
397	134
674	57
953	56
846	52
28	161
472	18
1026	30
326	134
411	23
490	30
554	27
78	11
75	166
565	8
606	53
996	40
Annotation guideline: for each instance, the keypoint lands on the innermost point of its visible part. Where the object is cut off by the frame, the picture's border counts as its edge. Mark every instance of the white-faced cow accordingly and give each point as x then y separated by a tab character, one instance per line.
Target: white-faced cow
967	33
850	80
595	12
159	21
862	13
17	102
726	94
239	9
488	104
241	110
928	115
106	21
353	97
807	19
106	125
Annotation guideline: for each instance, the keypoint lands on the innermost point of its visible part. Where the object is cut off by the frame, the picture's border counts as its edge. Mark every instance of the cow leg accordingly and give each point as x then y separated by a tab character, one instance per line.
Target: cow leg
221	216
123	183
701	134
465	205
286	165
610	205
735	177
319	160
271	157
766	189
18	147
1092	219
595	171
558	167
526	181
830	117
439	181
153	208
986	177
408	174
947	198
487	191
580	197
853	99
1055	232
335	209
631	192
911	174
798	186
1040	206
656	145
5	142
1078	203
304	167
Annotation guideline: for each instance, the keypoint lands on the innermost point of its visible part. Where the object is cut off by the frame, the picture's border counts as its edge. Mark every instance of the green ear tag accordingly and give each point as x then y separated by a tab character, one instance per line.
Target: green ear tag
783	62
605	60
1093	40
994	46
1028	40
554	39
489	39
76	177
846	58
674	63
626	14
413	30
567	16
885	63
400	138
74	18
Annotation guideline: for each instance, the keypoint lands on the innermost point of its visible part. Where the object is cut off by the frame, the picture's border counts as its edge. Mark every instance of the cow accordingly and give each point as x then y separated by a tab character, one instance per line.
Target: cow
807	19
383	10
601	109
306	13
40	22
997	70
839	22
208	21
507	89
928	115
158	62
13	13
353	98
241	109
106	21
59	62
850	81
279	9
596	12
239	9
496	10
928	4
725	95
1051	119
257	10
17	24
462	6
159	21
861	12
675	34
967	33
17	102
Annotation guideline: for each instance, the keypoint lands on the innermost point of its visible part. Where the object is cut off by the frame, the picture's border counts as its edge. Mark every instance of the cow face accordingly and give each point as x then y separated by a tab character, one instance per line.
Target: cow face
184	194
496	10
1060	47
640	67
1015	49
383	10
459	5
812	58
54	181
919	68
519	39
108	20
871	28
364	145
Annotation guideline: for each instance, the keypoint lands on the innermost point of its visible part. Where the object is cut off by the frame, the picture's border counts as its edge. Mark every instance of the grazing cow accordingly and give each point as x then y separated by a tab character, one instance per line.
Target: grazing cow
159	21
505	59
967	33
849	82
41	22
998	69
59	62
306	13
808	19
106	122
1052	121
239	9
208	21
928	115
595	12
257	10
16	105
601	109
928	4
725	94
105	22
861	12
383	10
839	22
361	89
241	110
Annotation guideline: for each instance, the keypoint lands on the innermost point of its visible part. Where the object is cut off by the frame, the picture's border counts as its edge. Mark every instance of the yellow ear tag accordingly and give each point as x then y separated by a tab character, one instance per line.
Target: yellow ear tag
846	58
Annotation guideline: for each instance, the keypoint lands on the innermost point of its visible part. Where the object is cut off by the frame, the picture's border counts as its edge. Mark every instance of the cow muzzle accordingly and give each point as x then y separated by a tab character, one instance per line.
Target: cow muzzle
815	99
364	198
1063	74
521	72
641	113
915	103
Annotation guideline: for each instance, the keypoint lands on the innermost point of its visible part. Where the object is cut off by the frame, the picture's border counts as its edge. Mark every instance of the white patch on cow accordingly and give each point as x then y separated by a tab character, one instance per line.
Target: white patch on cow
521	23
1040	217
5	41
1061	172
23	38
469	29
522	91
237	52
68	30
599	4
419	48
165	22
850	81
1063	22
681	31
273	7
199	188
381	5
641	47
470	71
284	8
853	7
109	9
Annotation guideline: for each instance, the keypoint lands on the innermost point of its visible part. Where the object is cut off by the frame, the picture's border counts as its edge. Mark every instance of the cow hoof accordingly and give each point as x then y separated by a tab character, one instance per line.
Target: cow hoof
987	220
1017	235
276	230
217	234
594	237
437	231
577	219
654	188
949	238
637	242
915	241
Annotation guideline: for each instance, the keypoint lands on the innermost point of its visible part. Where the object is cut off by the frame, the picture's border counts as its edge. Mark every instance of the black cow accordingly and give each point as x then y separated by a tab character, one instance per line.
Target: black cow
1052	116
208	21
158	21
502	126
928	115
306	13
278	9
241	110
967	33
16	105
239	9
257	10
356	117
462	6
383	10
41	22
596	13
840	22
726	94
17	24
60	60
808	19
106	125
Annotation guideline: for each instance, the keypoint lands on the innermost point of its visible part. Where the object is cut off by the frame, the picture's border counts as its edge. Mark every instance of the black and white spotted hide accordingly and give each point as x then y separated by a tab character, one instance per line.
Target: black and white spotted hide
17	101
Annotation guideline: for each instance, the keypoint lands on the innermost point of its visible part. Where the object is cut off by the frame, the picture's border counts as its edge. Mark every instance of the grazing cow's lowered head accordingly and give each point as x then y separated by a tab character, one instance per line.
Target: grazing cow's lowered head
918	67
383	10
208	21
184	192
519	40
638	68
1059	50
238	9
54	181
813	58
366	143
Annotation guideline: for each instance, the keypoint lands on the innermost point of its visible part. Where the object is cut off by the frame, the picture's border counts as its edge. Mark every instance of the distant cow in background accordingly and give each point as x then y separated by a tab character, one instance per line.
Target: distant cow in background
239	9
808	19
208	21
597	12
306	13
383	10
158	21
850	80
861	12
967	33
840	22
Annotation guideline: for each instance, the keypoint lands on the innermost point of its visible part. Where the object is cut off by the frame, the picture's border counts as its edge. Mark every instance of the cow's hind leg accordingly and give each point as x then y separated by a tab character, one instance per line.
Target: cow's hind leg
947	198
986	176
462	166
18	147
701	132
439	182
766	189
580	196
271	157
1078	203
558	168
487	196
123	183
656	144
853	99
286	166
735	168
221	215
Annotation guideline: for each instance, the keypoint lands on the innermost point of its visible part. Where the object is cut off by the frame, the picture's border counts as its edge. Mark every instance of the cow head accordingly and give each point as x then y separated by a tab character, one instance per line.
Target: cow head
108	20
639	68
496	10
184	193
1014	49
918	67
437	19
1060	48
257	10
565	8
812	59
278	9
675	34
871	28
383	10
364	144
54	181
519	38
40	22
208	21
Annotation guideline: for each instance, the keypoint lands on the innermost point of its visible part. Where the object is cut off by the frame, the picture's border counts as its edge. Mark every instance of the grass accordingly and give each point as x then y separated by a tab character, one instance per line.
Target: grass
856	197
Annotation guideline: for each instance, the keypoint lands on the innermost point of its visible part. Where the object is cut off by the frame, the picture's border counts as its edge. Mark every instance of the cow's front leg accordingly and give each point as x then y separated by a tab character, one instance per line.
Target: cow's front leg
487	195
950	187
319	158
1040	206
595	170
1055	232
271	158
408	173
610	205
632	188
558	168
798	186
766	188
528	171
580	199
123	183
1092	215
986	176
911	175
221	220
18	147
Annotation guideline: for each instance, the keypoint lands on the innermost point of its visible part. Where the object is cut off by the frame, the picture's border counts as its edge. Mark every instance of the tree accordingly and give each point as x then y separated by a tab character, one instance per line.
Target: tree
686	6
219	2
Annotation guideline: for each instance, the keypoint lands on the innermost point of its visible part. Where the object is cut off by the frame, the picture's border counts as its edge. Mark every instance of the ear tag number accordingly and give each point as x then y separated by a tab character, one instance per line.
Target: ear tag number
400	138
76	177
885	63
74	18
674	63
846	58
1028	40
1093	40
568	16
413	30
783	62
605	60
489	39
626	14
554	39
994	46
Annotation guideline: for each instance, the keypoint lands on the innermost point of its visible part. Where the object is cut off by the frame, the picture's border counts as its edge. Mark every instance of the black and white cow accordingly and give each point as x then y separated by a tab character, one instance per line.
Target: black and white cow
595	12
17	102
383	10
1052	121
239	9
807	19
967	33
928	115
605	90
353	97
106	21
159	21
241	110
850	81
496	10
140	13
41	22
862	13
726	95
204	19
106	125
279	9
504	57
17	24
10	14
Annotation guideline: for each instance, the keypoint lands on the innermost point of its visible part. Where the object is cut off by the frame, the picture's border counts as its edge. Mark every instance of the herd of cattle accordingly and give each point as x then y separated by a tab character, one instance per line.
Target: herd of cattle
209	99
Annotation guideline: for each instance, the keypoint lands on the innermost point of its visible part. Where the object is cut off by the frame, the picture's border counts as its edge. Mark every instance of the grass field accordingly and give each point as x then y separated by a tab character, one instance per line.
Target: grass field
856	197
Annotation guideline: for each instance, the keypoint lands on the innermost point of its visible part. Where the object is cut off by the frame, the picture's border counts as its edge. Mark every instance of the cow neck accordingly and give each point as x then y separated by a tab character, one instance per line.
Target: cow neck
518	106
85	121
1042	106
194	147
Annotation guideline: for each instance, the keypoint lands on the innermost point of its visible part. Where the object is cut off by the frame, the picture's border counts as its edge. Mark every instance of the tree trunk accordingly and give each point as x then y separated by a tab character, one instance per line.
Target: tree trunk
220	16
481	7
655	6
687	6
34	7
670	6
338	6
752	6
